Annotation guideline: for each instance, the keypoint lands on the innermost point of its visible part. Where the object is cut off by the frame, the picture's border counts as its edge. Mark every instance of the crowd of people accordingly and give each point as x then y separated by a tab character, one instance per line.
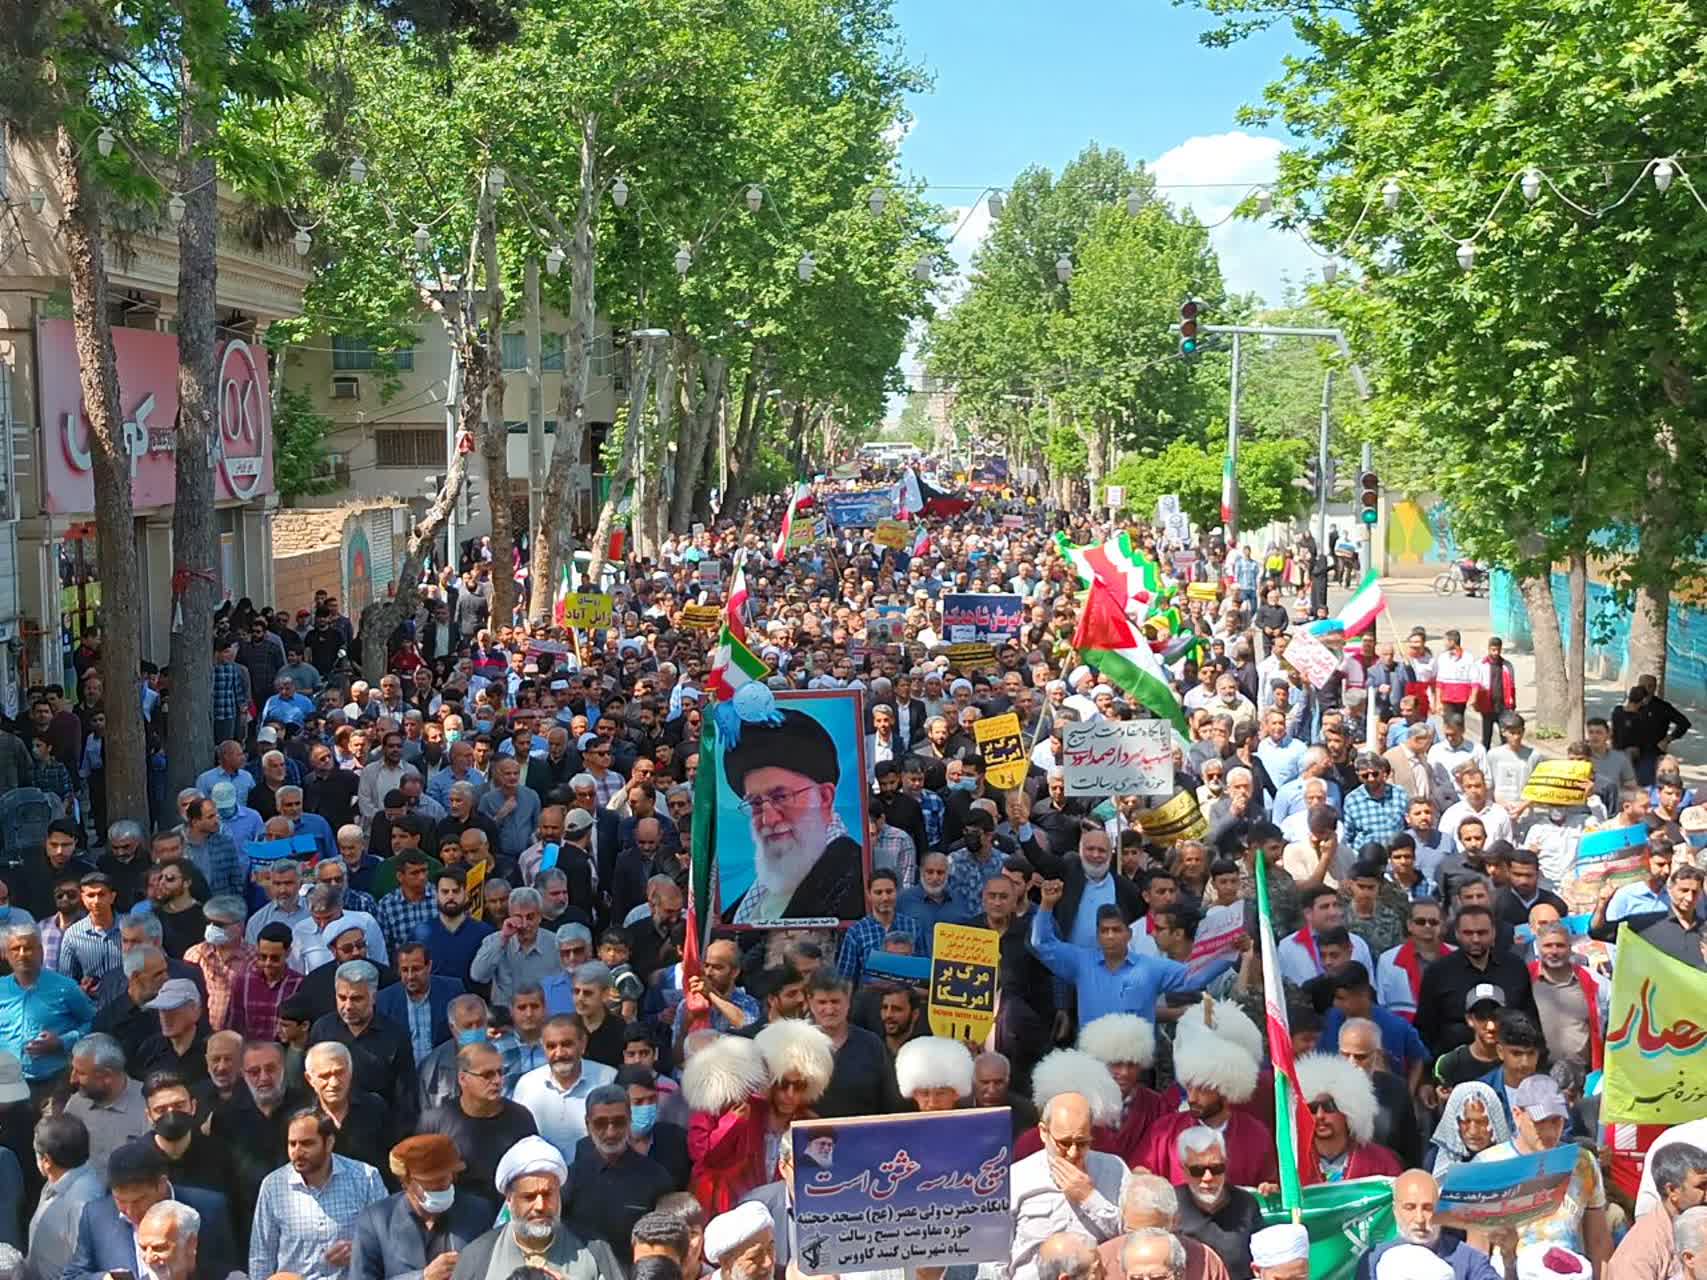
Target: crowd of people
397	989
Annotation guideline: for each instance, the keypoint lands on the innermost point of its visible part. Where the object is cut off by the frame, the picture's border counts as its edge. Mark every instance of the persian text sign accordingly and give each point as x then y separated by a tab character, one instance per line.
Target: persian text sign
1560	783
986	616
1003	748
587	609
148	413
1656	1047
1492	1195
1311	658
964	963
860	510
1118	758
894	534
886	1193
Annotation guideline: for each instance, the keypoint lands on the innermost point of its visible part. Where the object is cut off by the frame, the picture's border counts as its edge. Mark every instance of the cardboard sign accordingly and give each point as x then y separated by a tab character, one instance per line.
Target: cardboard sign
587	609
1615	855
889	629
1002	745
702	617
1013	521
964	963
969	657
1558	784
1179	819
1311	658
863	509
894	534
1483	1195
1208	592
982	616
709	574
1118	758
1217	939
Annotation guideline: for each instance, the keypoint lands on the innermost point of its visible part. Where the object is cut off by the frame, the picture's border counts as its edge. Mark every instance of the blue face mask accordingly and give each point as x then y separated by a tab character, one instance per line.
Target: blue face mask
965	784
485	726
453	735
645	1116
474	1035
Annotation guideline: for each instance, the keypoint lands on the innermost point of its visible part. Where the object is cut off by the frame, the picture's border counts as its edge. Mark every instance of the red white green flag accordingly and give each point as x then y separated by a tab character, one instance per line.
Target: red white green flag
1294	1130
779	553
735	610
1227	493
1126	571
1108	641
733	666
560	605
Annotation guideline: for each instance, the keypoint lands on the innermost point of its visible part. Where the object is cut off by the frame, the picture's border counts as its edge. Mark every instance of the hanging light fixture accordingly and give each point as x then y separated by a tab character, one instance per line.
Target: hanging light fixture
684	258
1134	202
554	260
619	192
104	142
1390	194
1663	174
1265	201
358	171
1466	254
495	180
997	203
38	201
1063	268
877	201
805	267
302	242
755	198
1330	271
1530	184
924	267
423	238
175	209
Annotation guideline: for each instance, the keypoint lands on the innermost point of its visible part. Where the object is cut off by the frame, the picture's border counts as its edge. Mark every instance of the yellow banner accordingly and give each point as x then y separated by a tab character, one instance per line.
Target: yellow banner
970	656
893	534
702	617
1208	592
1559	783
964	962
587	609
1656	1047
1179	819
1003	748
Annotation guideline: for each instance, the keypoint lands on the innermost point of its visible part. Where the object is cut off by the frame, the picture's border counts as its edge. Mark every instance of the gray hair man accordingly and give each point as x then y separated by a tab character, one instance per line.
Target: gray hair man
1151	1253
166	1240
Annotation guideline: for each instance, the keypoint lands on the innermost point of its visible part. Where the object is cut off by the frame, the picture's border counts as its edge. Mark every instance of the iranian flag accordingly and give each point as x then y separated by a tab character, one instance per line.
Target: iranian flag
733	666
1227	494
735	610
1358	614
1108	641
561	603
1124	570
1294	1130
781	550
921	541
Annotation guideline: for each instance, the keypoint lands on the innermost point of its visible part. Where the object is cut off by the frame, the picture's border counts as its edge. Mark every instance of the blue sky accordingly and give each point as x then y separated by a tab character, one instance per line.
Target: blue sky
1020	82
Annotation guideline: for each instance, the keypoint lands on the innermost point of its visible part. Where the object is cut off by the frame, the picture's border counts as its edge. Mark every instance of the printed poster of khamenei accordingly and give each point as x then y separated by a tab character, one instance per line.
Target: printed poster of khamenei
791	814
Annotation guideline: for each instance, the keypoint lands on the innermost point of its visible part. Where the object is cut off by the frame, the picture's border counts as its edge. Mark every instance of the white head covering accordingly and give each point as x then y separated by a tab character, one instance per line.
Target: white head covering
729	1233
1276	1246
530	1155
1412	1262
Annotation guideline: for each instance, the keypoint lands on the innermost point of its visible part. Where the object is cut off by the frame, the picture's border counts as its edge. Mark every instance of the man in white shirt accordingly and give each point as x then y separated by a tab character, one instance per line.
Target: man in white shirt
1323	943
1510	764
556	1094
1475	802
1453	749
1066	1187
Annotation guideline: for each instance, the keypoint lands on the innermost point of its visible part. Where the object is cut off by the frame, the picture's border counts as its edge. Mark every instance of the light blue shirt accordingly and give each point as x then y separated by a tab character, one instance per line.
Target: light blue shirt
1283	760
439	785
515	830
1132	986
56	1004
1636	899
242	780
1097	894
1289	797
292	710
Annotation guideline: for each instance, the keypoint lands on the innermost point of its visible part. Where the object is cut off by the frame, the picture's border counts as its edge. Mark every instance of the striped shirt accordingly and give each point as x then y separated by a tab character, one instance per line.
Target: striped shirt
88	951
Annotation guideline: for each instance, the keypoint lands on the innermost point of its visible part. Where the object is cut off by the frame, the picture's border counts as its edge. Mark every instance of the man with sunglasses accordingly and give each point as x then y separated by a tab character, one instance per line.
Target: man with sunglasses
1212	1211
1377	810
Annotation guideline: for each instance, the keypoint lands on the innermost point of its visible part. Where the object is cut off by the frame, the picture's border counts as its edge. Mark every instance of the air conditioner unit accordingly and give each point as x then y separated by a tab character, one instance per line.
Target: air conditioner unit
346	388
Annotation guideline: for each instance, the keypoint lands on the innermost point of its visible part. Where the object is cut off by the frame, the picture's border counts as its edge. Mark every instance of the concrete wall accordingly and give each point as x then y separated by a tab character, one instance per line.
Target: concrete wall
1418	538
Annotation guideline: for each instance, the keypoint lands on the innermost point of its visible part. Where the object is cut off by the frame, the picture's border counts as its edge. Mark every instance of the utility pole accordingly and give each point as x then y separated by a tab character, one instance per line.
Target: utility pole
536	393
1367	463
1322	464
453	397
1231	486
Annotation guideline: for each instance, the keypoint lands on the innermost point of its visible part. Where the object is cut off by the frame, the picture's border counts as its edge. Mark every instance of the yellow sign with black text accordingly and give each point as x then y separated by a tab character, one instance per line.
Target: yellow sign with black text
1002	745
964	963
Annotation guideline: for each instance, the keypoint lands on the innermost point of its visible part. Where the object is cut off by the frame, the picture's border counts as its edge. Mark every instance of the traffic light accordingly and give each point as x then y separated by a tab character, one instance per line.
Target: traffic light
1311	480
1368	497
1188	326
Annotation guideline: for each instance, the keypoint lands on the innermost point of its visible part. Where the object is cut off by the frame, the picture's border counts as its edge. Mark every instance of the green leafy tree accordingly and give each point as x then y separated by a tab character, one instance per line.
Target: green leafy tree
1266	471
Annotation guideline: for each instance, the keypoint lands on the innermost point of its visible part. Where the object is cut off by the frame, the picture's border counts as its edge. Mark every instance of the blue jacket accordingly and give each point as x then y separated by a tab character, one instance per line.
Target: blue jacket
107	1242
388	1243
392	1003
1466	1263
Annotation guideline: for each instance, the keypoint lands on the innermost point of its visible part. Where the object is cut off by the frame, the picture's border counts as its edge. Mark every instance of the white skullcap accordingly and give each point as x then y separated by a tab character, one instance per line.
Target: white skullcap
1102	689
959	684
1412	1262
1054	685
1077	674
529	1156
1276	1246
728	1233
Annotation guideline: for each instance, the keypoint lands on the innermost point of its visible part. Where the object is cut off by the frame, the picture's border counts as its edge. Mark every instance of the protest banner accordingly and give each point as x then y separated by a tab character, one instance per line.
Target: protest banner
888	629
1013	521
894	534
1166	505
886	1193
1345	1220
859	509
985	616
1311	658
1003	748
1207	592
1558	784
1496	1195
1118	758
1615	855
1178	819
287	847
587	609
802	534
702	617
1217	940
886	969
709	574
964	963
1656	1045
969	657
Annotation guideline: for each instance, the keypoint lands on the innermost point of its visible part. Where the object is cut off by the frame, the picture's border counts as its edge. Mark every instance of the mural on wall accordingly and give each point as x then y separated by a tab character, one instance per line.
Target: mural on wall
1419	533
358	570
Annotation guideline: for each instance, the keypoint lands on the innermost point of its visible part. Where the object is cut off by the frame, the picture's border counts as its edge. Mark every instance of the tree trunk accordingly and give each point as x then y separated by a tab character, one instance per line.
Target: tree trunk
696	441
115	522
1096	456
754	399
1658	552
650	502
1577	649
1650	633
550	535
495	436
639	387
1549	645
195	535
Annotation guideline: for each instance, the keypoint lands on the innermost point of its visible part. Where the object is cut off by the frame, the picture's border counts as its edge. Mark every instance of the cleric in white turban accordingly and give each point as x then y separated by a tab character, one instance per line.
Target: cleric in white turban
742	1243
531	1175
1412	1262
1281	1253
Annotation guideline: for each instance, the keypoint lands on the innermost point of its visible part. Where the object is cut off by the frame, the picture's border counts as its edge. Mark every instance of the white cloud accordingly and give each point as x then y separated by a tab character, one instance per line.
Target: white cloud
1255	258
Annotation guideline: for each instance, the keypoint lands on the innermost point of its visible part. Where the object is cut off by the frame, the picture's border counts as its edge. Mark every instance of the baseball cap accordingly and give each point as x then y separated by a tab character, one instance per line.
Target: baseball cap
175	994
1483	993
578	821
224	797
1540	1098
12	1086
266	733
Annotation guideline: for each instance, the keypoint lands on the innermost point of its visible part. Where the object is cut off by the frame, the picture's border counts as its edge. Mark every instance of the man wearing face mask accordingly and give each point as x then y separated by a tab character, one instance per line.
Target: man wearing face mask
439	1072
221	955
611	1185
420	1232
191	1156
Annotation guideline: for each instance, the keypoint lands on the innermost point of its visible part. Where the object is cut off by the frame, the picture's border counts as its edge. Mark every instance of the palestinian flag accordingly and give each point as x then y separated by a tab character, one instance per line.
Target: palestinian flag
780	552
1124	570
1227	494
921	541
939	504
735	608
733	666
1109	642
1294	1130
560	604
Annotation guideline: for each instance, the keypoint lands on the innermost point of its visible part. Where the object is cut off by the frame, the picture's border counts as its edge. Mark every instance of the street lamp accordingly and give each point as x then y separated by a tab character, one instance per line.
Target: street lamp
923	268
1063	268
1390	194
619	192
175	209
423	238
302	242
104	142
1330	271
1134	202
1531	184
876	201
805	267
755	198
684	258
1466	254
358	172
1663	174
495	180
554	260
997	203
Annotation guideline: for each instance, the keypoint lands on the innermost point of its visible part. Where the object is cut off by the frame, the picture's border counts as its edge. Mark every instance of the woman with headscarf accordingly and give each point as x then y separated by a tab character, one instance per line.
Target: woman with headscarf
1472	1121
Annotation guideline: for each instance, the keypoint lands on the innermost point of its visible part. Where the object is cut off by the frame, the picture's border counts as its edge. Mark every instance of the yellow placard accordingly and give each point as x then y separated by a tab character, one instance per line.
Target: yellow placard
702	617
586	609
1178	819
1558	783
1003	748
893	534
970	656
1207	592
964	964
1656	1049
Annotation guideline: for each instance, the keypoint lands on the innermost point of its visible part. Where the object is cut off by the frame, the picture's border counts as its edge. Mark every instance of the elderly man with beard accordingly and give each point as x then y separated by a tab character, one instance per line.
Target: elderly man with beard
531	1177
1416	1195
611	1185
742	1243
1147	1204
804	861
1213	1211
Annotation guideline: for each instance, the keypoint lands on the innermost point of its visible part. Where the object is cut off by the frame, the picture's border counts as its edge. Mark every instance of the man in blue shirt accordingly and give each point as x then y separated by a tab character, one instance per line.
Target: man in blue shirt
931	901
287	706
1354	997
1106	977
43	1014
1281	754
1645	895
1415	1197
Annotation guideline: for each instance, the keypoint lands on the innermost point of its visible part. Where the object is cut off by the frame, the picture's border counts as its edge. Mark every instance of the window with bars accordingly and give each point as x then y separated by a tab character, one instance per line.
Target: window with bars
409	447
356	355
516	352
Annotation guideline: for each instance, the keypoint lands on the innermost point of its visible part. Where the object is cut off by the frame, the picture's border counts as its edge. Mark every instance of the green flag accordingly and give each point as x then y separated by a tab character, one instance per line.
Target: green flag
1345	1221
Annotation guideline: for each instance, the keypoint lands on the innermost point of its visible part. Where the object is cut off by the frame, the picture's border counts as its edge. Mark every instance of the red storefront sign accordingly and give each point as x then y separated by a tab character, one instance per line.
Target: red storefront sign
148	405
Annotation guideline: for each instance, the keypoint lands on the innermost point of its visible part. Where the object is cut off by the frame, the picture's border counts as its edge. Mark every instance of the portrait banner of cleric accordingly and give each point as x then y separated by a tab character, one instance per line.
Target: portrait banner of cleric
791	812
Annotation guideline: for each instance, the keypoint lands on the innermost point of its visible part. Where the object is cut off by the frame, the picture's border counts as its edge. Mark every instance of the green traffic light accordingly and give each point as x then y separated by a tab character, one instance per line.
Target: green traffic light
1188	346
1370	516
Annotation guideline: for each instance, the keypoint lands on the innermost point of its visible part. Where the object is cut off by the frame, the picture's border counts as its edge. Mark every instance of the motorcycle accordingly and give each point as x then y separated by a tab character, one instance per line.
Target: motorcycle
1467	575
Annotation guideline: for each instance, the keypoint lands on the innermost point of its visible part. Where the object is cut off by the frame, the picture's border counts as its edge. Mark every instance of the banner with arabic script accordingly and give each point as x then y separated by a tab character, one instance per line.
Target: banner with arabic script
1656	1046
968	616
1118	758
882	1193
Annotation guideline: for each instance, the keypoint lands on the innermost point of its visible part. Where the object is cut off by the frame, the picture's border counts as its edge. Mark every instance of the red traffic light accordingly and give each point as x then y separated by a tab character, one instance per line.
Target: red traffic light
1188	310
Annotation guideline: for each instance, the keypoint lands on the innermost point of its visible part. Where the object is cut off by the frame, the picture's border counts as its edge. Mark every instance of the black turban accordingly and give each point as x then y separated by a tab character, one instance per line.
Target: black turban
799	744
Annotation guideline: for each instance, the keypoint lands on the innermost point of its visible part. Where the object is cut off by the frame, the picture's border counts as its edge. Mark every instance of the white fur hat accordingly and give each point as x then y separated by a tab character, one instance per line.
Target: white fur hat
933	1062
728	1070
1071	1071
1351	1090
791	1046
1119	1037
1231	1024
1207	1060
